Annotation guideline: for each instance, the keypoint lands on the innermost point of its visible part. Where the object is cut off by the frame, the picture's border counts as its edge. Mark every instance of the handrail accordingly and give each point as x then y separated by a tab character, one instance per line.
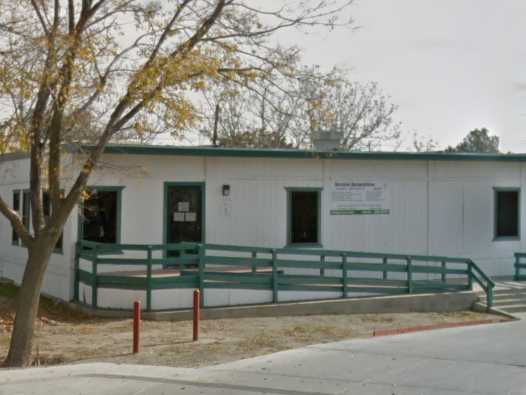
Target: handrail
280	270
486	283
335	253
138	247
285	250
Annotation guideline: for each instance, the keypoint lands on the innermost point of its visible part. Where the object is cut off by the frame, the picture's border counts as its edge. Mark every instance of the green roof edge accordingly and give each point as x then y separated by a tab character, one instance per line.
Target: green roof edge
303	154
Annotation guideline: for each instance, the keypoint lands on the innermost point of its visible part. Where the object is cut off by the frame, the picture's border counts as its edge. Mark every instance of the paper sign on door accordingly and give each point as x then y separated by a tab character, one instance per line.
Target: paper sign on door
190	217
183	207
178	217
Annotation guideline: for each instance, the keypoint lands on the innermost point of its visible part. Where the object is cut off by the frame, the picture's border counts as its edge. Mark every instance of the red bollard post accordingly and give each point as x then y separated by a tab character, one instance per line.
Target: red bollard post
136	326
197	314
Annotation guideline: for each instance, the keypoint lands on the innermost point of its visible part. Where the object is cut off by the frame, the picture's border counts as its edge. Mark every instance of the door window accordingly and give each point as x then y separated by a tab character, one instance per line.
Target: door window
184	214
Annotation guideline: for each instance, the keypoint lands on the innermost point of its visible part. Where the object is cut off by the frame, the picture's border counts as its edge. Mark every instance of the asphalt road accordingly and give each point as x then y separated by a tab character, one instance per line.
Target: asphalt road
488	359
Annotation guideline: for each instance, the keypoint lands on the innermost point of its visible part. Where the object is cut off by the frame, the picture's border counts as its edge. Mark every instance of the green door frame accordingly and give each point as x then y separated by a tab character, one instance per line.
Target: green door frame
167	186
117	189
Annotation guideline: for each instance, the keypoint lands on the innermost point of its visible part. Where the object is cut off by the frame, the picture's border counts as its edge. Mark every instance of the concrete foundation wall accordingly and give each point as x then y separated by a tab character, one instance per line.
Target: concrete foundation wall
445	302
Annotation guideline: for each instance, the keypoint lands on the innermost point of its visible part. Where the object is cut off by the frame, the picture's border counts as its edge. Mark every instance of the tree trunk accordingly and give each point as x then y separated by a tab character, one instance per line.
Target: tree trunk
28	298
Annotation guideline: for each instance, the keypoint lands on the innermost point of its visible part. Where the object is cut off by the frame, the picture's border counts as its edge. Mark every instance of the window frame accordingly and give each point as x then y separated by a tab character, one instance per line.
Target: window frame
103	188
21	198
22	193
60	248
15	238
26	219
496	191
290	191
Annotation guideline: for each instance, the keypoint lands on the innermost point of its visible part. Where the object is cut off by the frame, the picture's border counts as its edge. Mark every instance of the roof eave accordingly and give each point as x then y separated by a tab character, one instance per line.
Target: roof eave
306	154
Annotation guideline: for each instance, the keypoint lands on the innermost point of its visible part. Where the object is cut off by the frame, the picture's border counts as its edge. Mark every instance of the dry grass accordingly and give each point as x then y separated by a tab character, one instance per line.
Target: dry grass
65	336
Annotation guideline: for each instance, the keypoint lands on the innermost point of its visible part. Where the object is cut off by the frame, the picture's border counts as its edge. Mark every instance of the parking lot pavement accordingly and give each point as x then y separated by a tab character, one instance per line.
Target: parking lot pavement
486	359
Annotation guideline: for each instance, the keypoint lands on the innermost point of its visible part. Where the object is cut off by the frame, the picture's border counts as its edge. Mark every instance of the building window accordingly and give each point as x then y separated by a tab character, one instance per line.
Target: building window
507	211
100	218
46	204
26	208
304	216
16	207
26	213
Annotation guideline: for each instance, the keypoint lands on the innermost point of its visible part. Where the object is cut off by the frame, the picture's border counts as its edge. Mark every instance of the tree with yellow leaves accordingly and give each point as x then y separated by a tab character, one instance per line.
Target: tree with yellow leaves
77	72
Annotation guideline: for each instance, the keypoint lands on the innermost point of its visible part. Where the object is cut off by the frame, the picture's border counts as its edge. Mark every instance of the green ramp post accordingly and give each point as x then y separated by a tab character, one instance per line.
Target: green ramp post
78	247
517	273
409	276
149	279
384	273
201	266
489	296
470	274
274	278
344	275
253	263
94	282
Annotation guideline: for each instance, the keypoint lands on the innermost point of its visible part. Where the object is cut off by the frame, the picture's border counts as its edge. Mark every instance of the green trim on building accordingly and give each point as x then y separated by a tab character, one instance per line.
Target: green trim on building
169	184
106	188
142	149
290	244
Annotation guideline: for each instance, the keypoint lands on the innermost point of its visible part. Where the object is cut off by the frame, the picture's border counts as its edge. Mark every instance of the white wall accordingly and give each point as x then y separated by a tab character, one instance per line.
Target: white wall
401	231
459	221
462	212
459	194
142	198
14	175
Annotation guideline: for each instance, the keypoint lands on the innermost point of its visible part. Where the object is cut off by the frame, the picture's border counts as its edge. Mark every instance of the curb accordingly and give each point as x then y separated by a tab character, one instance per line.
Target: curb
422	328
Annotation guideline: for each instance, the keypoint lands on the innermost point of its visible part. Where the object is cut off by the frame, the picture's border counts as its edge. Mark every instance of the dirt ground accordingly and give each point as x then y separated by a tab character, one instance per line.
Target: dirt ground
64	336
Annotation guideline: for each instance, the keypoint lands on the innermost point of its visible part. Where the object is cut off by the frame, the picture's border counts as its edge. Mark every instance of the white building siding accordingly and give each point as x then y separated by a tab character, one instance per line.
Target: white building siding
403	230
462	212
437	207
256	212
14	175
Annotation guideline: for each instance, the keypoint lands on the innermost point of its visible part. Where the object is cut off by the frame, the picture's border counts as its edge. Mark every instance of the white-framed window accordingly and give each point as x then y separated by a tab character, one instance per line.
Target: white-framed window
22	205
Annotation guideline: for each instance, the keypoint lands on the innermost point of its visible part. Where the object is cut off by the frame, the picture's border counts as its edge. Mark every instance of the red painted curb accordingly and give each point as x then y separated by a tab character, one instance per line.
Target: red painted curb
420	328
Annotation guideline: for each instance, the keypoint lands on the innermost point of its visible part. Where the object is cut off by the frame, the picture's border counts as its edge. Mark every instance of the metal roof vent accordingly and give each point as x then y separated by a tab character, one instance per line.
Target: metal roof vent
326	140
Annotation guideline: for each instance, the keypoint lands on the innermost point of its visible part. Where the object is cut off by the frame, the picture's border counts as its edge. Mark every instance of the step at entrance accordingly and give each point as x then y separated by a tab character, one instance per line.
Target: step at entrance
509	296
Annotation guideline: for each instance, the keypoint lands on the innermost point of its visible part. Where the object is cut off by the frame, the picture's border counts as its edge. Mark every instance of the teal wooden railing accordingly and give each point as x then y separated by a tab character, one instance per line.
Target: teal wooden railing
213	266
520	265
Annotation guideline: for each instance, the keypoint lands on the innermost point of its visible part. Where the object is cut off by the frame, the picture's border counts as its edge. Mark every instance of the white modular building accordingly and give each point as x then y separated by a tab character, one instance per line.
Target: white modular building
445	204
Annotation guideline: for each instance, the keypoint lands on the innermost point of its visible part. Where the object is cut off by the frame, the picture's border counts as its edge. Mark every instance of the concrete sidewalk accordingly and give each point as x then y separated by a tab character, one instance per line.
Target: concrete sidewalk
487	359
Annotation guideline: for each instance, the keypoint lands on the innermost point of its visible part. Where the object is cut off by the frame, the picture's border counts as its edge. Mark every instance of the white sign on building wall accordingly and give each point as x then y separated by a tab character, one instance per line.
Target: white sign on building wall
354	198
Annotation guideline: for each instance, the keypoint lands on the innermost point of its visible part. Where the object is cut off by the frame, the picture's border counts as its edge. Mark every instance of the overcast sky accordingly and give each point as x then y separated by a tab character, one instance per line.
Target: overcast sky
451	65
